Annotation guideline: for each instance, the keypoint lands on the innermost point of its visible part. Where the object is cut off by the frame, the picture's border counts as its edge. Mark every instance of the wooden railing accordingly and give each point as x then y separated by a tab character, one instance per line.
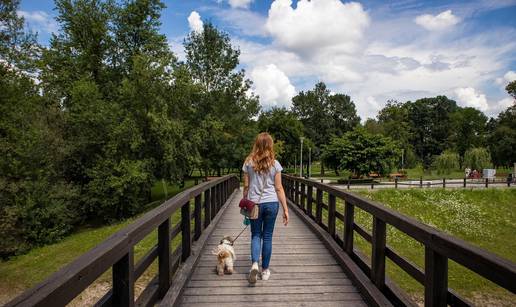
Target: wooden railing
117	252
439	247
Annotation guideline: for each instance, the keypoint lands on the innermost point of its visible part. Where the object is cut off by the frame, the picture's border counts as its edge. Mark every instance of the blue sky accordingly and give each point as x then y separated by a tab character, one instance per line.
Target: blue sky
371	50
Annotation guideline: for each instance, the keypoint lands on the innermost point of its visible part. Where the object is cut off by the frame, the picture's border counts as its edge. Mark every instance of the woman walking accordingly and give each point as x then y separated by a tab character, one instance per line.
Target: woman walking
262	185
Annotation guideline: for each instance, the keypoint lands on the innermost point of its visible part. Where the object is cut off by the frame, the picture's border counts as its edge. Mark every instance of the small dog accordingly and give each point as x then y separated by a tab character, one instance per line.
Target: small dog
225	256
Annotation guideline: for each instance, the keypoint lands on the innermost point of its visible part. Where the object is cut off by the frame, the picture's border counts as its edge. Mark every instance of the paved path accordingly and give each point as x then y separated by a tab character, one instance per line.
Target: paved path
303	271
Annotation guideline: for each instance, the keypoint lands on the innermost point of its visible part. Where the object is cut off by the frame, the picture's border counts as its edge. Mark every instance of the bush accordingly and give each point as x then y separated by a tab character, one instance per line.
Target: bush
477	158
446	162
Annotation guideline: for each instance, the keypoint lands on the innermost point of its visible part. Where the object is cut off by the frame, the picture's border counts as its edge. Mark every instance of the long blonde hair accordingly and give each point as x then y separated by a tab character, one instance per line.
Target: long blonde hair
262	156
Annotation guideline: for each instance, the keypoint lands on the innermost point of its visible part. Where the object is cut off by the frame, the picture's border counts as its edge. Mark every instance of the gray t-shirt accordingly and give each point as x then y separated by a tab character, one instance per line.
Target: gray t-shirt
256	182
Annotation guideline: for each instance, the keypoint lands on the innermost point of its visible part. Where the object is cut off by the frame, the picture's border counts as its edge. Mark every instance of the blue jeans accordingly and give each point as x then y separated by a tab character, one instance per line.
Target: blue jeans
261	232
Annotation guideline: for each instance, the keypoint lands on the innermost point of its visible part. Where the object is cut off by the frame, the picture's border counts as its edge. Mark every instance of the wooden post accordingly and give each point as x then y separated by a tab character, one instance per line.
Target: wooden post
487	182
508	181
123	280
318	206
164	257
185	231
349	219
464	182
444	183
309	201
378	253
349	181
396	182
372	185
303	197
197	217
296	194
420	181
213	202
207	208
436	278
331	214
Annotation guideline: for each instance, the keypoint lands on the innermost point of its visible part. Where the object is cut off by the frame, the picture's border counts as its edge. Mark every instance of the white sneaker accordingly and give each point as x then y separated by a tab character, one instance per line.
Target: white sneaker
266	274
253	273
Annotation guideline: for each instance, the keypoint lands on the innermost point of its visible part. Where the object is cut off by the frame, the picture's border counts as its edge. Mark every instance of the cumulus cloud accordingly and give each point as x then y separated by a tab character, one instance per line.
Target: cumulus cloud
39	21
438	22
272	85
317	25
244	4
507	78
195	22
469	97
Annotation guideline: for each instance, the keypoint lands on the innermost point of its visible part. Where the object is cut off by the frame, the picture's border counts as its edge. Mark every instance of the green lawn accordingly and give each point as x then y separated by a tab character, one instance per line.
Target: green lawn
485	218
25	271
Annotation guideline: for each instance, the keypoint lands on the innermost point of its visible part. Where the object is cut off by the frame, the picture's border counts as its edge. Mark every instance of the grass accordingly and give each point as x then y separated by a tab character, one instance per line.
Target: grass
485	218
25	271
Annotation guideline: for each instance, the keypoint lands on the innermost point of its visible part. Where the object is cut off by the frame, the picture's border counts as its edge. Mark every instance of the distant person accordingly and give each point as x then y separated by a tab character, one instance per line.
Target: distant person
262	185
467	172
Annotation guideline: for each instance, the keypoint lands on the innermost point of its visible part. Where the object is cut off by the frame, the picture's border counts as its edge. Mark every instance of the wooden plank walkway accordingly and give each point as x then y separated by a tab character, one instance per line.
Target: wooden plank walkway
303	272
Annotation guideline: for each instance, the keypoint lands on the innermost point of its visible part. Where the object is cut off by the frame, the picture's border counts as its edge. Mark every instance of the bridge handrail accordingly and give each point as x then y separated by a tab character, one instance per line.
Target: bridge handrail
117	252
439	247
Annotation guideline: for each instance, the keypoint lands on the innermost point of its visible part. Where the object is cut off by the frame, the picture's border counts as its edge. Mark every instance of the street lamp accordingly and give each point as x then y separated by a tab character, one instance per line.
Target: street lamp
301	159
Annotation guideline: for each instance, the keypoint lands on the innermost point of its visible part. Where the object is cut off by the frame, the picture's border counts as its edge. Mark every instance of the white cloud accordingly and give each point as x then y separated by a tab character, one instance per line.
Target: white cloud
469	97
438	22
244	4
510	76
317	25
272	85
39	21
195	22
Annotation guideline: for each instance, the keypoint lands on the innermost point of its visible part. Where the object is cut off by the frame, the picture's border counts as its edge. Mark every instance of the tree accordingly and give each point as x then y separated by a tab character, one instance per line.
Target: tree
469	129
477	158
511	89
36	204
361	153
430	126
284	126
223	109
446	162
324	115
502	138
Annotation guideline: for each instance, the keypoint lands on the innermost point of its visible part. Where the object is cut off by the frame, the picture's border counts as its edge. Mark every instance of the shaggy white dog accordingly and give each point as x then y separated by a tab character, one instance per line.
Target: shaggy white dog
225	256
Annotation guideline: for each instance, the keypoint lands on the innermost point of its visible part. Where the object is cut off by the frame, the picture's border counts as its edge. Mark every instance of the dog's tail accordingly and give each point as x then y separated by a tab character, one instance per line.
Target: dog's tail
223	254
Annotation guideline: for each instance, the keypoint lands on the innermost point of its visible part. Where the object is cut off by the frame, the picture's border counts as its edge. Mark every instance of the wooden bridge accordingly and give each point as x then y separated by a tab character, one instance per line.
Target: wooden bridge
313	263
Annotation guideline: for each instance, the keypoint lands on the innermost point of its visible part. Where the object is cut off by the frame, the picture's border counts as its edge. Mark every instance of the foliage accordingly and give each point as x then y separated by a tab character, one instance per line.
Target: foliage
361	153
511	89
430	126
502	138
477	158
446	162
468	129
224	109
284	126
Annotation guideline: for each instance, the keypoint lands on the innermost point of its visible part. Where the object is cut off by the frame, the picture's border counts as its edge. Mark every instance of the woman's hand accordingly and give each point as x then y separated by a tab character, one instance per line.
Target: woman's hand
285	218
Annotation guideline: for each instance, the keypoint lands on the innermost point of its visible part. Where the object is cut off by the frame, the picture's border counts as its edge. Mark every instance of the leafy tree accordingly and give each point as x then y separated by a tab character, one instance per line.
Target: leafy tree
469	129
477	158
223	109
446	162
284	126
36	204
430	125
502	138
361	152
324	115
511	89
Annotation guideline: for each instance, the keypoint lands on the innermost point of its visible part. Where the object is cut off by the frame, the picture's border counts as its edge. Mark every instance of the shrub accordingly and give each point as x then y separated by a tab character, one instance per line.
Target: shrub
477	158
446	162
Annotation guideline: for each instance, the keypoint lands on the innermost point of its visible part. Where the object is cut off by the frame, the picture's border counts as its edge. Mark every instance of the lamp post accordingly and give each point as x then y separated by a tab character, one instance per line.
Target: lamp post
301	159
309	162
